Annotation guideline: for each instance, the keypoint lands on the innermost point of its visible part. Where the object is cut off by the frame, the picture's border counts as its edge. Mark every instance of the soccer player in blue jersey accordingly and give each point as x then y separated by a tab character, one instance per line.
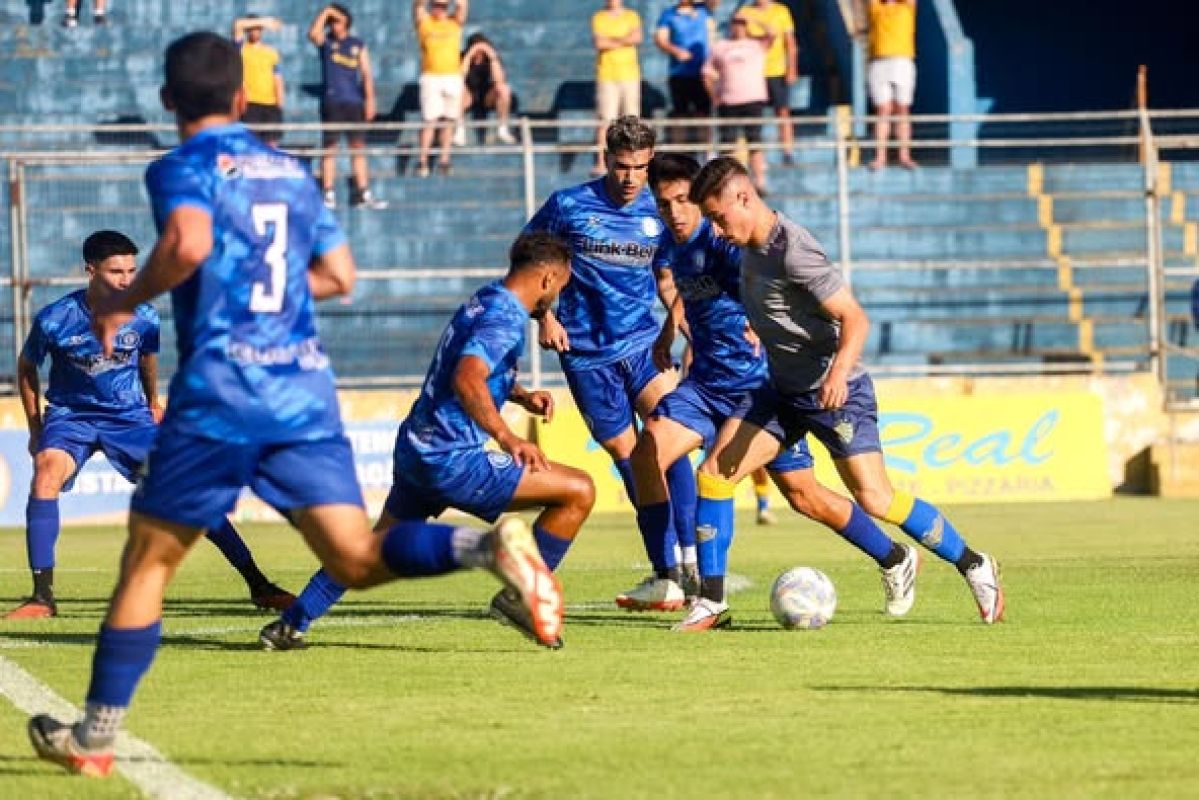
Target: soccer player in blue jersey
604	329
97	403
245	246
726	367
813	331
439	459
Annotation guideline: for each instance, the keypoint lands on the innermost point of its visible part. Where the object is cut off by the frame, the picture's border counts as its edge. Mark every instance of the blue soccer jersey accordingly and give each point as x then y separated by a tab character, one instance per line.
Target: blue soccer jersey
491	325
706	270
607	307
251	367
82	378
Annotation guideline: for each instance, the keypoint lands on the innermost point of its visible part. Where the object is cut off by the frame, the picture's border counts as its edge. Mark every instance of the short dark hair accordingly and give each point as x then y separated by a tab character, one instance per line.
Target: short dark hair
203	74
667	167
536	248
345	12
715	175
105	244
629	134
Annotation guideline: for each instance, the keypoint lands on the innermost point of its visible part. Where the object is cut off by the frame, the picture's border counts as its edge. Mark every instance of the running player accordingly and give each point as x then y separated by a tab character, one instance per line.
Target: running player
439	459
726	368
605	328
97	403
813	331
246	245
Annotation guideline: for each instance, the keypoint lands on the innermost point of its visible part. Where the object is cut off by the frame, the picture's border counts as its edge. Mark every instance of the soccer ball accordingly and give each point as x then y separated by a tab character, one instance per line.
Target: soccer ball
804	598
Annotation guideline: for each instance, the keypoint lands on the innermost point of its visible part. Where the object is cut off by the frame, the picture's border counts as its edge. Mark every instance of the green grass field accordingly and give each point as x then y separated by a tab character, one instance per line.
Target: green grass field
1090	689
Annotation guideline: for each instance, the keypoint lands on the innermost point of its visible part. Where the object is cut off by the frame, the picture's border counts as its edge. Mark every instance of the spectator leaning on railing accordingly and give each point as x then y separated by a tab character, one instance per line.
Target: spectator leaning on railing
485	86
440	35
736	80
685	32
347	96
891	73
616	32
782	62
260	70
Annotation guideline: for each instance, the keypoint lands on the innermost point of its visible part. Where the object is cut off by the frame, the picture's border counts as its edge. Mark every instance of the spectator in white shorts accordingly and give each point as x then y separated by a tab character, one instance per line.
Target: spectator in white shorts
440	35
616	31
891	74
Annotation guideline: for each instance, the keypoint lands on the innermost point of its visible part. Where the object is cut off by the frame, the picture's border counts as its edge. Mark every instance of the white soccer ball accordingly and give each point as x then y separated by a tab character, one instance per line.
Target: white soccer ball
803	598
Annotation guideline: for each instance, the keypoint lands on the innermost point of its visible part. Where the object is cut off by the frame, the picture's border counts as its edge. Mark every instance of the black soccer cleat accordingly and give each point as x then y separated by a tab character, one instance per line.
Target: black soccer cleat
278	635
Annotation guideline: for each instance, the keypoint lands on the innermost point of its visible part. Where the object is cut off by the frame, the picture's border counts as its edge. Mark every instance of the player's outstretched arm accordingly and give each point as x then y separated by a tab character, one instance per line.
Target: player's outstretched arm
538	402
147	375
30	388
332	274
470	386
551	335
855	325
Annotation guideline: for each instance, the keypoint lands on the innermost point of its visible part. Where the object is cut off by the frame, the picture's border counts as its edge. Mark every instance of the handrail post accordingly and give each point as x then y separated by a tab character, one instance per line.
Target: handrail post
530	182
840	130
1153	257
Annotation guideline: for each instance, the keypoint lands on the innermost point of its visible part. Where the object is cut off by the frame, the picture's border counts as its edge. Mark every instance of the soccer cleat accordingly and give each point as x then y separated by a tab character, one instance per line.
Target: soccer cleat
516	561
366	199
705	615
899	583
34	608
653	594
767	517
983	579
330	199
270	597
278	635
55	741
507	609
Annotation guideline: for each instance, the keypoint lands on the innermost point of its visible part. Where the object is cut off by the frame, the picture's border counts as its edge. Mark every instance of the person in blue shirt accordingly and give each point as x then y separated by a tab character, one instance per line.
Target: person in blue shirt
245	247
439	458
604	327
685	32
97	402
347	96
727	366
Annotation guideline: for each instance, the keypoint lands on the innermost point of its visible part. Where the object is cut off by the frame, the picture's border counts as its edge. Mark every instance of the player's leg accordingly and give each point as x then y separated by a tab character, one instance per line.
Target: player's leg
761	481
264	593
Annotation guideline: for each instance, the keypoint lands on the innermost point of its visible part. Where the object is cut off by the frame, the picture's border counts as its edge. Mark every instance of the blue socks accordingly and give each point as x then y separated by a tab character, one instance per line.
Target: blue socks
714	523
625	467
41	532
864	534
420	549
654	521
680	480
122	656
321	593
553	548
231	545
924	523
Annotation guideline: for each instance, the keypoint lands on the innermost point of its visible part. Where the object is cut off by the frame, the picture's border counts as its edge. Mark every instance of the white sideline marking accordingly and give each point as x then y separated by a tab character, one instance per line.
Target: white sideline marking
138	761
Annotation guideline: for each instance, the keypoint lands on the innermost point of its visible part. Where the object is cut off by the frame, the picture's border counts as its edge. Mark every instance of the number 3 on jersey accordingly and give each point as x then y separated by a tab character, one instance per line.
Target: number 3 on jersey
271	219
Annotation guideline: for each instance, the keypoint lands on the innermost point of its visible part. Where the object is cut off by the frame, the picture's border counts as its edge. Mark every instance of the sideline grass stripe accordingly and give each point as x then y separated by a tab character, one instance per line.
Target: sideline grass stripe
138	761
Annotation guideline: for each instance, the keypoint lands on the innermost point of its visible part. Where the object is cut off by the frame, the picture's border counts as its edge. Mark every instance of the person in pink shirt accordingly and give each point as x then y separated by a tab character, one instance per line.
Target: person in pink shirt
735	77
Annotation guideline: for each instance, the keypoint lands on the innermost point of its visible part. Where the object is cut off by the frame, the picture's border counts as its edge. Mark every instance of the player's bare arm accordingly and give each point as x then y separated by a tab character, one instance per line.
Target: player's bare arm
855	325
147	375
470	386
30	388
537	402
551	335
332	274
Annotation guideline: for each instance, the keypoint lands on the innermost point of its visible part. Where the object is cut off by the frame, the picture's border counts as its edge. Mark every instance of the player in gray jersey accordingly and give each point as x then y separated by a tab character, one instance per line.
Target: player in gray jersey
813	330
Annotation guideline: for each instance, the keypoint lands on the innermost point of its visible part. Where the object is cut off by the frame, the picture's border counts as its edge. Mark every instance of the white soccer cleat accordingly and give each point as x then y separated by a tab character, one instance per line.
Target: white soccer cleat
988	592
766	517
705	615
516	562
899	583
653	594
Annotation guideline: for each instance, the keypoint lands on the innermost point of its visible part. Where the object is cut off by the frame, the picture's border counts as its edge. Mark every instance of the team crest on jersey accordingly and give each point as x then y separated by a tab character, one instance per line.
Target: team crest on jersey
651	226
844	431
499	460
226	165
128	340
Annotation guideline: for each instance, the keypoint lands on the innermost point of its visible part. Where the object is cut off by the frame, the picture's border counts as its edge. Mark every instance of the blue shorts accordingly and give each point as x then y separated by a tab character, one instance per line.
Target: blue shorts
704	411
194	481
124	439
606	395
847	431
479	482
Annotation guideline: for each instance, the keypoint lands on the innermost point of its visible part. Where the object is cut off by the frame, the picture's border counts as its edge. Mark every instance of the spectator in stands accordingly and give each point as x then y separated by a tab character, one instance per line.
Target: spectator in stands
260	67
440	36
685	32
71	17
782	62
735	77
347	96
616	32
485	87
891	73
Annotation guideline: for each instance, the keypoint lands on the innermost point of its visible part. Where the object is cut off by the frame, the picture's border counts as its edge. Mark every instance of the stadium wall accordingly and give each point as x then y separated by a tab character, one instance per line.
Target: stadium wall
955	440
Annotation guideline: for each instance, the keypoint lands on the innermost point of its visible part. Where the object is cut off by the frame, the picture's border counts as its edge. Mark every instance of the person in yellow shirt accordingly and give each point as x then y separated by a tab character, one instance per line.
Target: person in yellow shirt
260	67
782	62
440	35
616	32
891	73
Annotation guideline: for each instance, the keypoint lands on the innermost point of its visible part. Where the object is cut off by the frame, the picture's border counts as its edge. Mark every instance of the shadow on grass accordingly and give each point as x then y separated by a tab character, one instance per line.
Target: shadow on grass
1121	694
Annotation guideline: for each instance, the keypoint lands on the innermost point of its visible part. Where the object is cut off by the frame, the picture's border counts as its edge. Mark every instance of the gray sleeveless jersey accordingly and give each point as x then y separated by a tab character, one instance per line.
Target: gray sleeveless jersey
782	287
